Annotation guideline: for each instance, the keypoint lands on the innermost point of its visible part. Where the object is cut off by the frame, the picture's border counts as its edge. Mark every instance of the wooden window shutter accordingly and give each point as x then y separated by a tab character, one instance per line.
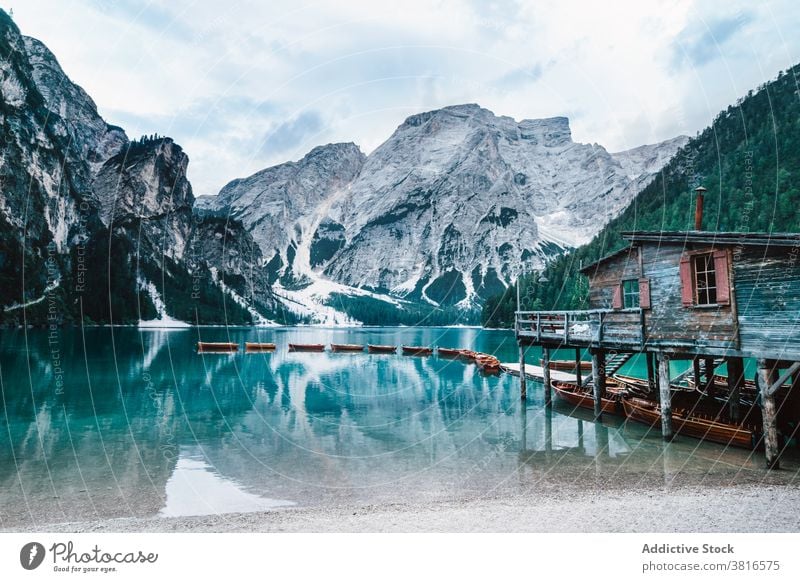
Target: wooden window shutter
687	291
616	301
644	293
722	276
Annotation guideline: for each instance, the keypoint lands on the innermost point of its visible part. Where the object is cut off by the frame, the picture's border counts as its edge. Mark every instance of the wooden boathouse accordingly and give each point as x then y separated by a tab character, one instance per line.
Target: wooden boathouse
707	297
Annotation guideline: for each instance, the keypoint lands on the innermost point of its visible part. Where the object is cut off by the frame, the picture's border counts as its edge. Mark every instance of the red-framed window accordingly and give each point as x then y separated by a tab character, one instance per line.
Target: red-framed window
705	278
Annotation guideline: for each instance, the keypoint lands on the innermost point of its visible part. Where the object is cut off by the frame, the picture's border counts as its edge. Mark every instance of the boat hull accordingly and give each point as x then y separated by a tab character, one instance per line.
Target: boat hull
572	395
217	347
306	347
417	351
347	348
566	365
710	430
259	347
449	353
373	349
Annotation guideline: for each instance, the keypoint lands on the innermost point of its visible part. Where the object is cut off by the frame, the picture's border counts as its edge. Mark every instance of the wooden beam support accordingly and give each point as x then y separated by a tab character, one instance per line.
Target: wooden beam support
709	388
548	387
523	379
599	380
578	366
735	384
665	396
697	377
769	412
784	377
651	372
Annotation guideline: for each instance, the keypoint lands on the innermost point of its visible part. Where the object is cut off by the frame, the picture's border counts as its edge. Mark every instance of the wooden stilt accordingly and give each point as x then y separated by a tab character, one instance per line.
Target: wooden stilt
578	366
599	380
651	371
548	388
548	433
766	377
664	393
735	383
709	385
523	379
698	380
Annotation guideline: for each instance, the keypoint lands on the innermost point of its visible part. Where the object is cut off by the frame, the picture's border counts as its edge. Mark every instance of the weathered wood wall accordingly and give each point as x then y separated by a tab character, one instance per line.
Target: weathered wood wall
607	276
669	322
767	292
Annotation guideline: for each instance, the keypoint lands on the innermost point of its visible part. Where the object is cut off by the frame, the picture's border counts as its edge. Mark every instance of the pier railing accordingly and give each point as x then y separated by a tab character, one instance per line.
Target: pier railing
594	327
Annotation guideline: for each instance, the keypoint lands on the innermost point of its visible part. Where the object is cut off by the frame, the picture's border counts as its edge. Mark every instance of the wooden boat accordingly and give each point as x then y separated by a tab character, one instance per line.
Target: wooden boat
416	350
306	347
684	423
378	349
448	352
258	347
583	397
566	365
489	365
468	355
347	348
637	386
217	347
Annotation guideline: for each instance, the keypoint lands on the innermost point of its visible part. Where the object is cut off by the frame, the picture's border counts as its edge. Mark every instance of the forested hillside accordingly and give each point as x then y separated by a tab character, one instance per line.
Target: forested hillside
748	159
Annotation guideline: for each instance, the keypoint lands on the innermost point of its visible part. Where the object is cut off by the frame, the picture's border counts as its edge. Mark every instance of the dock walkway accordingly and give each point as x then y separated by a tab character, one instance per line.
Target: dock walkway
537	373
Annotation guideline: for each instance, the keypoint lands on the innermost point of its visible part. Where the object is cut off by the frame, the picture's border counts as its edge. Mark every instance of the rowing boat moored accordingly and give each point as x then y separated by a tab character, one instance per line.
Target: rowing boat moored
718	431
259	347
566	365
378	349
489	367
217	347
468	354
578	396
448	352
306	347
417	351
347	348
487	363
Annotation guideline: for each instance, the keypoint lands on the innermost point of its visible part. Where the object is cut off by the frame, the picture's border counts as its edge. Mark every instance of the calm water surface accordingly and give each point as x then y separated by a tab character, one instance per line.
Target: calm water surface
123	422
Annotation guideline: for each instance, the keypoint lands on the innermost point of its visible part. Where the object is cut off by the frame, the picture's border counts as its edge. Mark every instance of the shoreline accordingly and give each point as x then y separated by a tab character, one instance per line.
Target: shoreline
665	509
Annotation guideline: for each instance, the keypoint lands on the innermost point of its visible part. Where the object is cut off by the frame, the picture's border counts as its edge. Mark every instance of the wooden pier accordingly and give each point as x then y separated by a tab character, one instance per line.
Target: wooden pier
705	297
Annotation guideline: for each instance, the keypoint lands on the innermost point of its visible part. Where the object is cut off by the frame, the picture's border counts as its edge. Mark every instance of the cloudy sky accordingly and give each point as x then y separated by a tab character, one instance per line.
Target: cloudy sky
243	84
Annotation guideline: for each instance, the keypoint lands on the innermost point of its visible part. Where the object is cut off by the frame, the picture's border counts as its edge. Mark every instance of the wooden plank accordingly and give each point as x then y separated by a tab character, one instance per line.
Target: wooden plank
599	379
783	378
548	387
766	378
664	391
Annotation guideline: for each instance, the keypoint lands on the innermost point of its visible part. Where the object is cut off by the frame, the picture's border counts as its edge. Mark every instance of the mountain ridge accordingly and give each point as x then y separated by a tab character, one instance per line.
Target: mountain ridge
451	207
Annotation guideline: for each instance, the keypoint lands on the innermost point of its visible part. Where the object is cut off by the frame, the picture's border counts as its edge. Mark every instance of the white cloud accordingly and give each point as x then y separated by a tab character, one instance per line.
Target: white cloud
245	84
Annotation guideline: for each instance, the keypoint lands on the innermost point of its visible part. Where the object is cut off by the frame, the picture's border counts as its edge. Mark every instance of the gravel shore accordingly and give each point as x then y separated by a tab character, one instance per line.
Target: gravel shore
741	508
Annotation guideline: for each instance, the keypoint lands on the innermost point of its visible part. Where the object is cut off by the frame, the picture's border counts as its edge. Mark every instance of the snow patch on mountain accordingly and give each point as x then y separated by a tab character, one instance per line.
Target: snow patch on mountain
258	319
163	319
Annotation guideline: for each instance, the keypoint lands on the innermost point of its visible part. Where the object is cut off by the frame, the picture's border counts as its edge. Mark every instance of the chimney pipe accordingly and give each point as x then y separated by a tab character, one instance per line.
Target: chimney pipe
698	207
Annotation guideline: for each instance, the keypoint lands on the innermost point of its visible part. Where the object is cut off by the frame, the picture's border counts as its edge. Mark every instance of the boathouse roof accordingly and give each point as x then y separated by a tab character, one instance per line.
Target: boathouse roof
614	255
764	239
759	239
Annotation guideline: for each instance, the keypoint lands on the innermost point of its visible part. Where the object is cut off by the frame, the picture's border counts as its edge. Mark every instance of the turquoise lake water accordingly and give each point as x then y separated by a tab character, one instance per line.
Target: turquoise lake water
121	422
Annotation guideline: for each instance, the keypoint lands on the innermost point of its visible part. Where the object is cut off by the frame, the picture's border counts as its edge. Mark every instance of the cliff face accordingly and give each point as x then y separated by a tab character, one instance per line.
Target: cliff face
94	227
282	206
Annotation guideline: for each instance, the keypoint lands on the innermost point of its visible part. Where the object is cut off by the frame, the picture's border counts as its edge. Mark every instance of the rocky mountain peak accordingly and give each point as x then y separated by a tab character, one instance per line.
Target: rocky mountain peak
450	209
